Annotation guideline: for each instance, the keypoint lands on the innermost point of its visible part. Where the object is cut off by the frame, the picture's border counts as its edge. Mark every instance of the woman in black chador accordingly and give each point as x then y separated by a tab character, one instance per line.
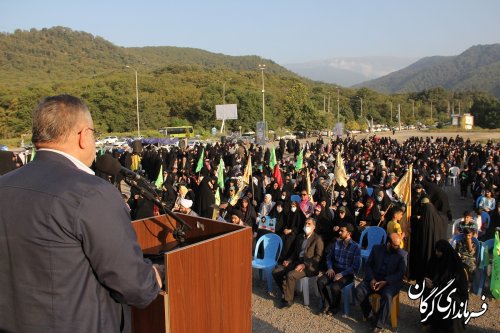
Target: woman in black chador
444	266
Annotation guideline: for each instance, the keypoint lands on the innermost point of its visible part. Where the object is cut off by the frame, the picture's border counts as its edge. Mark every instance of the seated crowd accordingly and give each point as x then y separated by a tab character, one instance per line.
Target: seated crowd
321	221
294	191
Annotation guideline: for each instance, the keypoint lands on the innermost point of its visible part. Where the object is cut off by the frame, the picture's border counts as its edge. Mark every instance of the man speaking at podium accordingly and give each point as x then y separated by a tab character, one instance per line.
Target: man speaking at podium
69	258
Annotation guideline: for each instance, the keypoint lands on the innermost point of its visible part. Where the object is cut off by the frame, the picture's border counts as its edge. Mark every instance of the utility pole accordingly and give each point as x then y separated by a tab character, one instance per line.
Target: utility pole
262	67
136	100
328	103
391	112
431	112
224	93
324	103
399	116
361	98
338	105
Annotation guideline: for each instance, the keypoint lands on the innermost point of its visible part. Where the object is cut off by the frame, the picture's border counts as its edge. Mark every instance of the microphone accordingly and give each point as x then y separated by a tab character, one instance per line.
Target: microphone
111	166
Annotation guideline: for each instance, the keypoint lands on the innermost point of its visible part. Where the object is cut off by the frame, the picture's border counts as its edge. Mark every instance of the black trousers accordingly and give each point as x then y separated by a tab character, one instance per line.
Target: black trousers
330	290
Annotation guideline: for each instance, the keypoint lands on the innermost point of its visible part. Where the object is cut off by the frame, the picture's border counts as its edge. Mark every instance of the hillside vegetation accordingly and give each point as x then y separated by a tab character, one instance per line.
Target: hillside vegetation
183	85
477	69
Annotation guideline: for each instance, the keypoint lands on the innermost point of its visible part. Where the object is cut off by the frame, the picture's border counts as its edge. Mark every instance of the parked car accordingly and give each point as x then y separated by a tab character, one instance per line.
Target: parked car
192	142
300	134
110	140
289	136
99	142
121	142
247	139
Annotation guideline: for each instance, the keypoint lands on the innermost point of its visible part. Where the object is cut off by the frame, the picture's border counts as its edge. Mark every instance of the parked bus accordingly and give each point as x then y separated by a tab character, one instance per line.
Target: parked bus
178	132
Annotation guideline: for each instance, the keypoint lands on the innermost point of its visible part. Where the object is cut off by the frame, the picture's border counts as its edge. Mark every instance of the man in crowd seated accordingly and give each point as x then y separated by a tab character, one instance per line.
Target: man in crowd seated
237	217
342	261
467	250
384	276
185	207
303	262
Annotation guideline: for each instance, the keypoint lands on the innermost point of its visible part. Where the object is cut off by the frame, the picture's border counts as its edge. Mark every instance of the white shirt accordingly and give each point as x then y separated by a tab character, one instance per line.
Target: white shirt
79	164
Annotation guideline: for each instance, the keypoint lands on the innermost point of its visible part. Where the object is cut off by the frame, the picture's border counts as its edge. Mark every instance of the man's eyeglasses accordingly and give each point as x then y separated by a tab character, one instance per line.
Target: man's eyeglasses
96	133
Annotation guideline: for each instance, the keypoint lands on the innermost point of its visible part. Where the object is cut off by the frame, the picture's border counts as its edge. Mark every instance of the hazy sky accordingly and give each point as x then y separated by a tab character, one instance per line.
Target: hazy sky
284	31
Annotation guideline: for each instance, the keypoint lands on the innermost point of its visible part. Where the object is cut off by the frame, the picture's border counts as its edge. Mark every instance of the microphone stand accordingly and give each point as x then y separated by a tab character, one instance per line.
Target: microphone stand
179	233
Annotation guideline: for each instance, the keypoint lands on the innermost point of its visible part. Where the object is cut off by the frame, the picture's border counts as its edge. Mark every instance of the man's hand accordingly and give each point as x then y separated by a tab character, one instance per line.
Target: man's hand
330	273
158	276
286	263
300	267
373	283
338	276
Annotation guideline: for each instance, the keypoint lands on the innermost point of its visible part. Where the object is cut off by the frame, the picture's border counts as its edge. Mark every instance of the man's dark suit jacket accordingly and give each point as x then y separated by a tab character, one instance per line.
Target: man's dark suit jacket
69	258
312	255
395	269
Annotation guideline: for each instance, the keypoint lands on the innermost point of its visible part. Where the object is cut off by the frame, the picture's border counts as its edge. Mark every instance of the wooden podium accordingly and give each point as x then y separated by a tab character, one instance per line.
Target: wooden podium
208	281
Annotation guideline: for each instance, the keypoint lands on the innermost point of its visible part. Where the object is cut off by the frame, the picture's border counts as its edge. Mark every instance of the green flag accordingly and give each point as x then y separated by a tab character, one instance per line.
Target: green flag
272	159
300	160
495	271
200	161
159	179
220	174
33	152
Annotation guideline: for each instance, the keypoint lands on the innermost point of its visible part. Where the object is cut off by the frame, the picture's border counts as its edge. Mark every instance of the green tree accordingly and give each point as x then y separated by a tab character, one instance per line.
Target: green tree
486	112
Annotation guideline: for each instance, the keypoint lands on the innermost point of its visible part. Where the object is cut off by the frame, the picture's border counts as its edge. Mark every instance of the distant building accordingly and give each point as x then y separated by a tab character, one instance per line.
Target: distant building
464	121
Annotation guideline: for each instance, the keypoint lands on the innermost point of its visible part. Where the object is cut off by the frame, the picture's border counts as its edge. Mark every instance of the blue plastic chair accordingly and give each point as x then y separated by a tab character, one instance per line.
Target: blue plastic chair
272	244
376	235
477	201
457	238
481	272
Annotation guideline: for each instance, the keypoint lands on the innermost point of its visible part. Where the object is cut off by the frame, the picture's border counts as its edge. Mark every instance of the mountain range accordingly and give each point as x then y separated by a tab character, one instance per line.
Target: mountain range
179	86
349	71
476	69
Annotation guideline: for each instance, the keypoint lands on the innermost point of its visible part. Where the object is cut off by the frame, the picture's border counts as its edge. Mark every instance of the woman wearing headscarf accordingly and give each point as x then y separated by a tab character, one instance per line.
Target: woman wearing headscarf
427	227
279	224
205	198
266	206
324	223
444	266
294	222
249	214
274	190
306	206
368	216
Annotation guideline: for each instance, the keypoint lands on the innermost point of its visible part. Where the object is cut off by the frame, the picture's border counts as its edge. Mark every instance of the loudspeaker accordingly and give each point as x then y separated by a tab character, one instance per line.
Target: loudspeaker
137	146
